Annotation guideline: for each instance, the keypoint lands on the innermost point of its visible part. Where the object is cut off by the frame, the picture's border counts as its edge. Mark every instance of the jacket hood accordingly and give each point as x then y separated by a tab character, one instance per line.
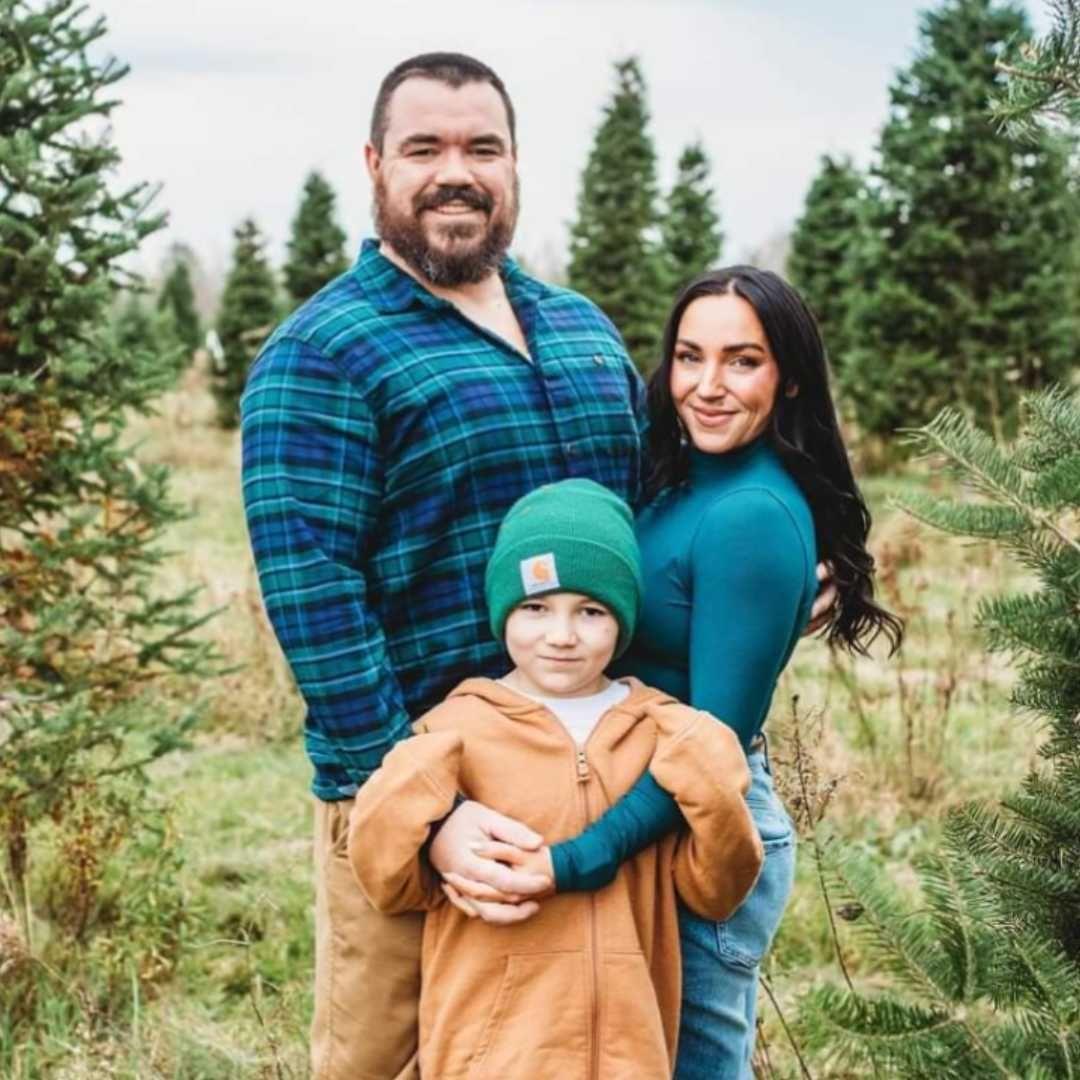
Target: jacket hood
515	706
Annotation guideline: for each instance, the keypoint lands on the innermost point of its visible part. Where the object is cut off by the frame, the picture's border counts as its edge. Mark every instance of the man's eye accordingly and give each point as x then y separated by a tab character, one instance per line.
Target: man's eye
594	611
421	152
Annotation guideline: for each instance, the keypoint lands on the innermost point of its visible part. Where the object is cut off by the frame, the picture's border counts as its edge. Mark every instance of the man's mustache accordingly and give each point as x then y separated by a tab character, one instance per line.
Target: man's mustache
471	197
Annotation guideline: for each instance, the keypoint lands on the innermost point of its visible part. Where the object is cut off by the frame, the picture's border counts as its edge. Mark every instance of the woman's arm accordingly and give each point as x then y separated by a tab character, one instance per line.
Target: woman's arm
747	566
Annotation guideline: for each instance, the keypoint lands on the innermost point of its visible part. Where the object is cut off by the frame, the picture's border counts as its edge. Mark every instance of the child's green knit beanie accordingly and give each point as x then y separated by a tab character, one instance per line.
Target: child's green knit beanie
573	536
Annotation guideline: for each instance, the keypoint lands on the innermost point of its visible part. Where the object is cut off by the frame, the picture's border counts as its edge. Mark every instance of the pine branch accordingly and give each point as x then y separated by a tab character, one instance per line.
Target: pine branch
973	456
1043	77
967	519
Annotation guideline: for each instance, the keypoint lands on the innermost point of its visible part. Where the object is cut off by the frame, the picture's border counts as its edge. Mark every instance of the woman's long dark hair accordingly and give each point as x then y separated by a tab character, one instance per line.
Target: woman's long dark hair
803	430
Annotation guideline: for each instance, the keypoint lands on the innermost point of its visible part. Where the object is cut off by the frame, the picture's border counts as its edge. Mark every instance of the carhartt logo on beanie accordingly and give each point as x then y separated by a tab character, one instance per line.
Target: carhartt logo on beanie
539	574
573	536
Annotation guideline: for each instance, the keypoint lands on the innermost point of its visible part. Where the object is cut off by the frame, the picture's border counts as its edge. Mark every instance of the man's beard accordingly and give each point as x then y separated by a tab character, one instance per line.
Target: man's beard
406	234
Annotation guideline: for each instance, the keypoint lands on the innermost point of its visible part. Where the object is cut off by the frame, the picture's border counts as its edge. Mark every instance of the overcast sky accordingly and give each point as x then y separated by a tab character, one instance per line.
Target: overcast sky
231	102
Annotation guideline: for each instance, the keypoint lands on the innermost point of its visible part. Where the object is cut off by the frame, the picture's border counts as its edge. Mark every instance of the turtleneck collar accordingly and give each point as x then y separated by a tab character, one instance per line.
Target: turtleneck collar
704	466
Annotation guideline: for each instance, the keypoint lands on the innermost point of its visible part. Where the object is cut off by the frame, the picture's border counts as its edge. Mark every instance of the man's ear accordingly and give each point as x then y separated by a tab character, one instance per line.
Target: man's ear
372	159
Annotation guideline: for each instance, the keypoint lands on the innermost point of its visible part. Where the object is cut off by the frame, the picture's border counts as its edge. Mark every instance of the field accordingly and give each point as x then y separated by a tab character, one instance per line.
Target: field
885	746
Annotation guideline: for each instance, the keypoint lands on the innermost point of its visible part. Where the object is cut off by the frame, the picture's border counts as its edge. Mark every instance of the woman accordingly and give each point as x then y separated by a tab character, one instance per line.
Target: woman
746	452
750	486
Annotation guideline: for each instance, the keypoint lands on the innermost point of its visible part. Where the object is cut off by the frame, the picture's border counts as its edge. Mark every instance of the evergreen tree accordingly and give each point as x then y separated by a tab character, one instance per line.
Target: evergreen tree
824	236
177	300
987	972
248	311
615	259
987	969
1044	77
87	639
691	227
968	241
134	327
316	249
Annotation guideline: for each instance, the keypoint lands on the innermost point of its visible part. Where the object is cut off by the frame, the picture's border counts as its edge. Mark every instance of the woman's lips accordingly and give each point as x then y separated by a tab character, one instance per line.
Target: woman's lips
713	417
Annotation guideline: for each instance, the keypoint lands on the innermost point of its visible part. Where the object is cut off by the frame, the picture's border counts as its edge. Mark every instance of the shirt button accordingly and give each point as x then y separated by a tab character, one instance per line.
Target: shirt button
571	449
598	359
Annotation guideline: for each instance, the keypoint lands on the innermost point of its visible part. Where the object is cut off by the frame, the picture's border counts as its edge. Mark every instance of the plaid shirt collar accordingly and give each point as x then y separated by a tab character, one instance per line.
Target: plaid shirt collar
390	289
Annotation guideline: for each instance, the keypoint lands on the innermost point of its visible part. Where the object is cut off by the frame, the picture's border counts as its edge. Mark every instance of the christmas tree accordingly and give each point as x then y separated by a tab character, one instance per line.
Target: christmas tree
316	249
960	284
88	641
824	235
248	312
615	258
691	227
177	301
986	972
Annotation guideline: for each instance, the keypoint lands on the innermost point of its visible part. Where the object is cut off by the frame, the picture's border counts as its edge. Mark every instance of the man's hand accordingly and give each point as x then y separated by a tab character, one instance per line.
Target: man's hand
491	864
821	614
481	901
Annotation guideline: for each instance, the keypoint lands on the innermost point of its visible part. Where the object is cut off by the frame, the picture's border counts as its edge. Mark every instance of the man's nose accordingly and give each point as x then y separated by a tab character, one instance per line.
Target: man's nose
453	169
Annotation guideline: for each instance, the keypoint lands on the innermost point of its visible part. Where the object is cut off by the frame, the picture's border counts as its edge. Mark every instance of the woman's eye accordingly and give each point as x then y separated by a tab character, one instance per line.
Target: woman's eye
745	361
686	357
593	612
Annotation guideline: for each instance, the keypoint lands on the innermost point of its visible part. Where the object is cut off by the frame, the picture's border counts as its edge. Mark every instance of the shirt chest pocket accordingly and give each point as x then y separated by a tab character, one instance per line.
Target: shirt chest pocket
598	382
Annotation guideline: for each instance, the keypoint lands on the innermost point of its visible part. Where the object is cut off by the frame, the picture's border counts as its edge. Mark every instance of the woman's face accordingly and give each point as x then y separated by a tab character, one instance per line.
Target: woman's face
724	378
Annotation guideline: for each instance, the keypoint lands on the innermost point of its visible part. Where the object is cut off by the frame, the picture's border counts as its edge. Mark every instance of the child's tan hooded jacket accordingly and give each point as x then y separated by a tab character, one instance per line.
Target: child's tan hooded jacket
588	989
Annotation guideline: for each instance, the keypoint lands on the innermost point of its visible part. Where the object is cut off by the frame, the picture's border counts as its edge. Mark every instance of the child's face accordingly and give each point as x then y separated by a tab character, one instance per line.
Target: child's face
561	643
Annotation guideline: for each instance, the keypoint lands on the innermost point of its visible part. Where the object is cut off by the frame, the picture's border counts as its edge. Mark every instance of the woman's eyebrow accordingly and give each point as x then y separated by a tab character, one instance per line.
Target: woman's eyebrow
738	346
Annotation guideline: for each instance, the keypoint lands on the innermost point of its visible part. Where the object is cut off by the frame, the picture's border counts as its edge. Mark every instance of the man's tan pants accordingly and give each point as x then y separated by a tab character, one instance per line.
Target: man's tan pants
367	970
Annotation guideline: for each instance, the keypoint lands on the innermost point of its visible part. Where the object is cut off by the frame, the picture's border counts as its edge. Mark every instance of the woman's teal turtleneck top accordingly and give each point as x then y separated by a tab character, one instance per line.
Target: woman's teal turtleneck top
729	567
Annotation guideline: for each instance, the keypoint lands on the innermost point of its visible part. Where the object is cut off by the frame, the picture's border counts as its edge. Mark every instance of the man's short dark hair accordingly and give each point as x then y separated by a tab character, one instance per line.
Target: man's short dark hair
454	69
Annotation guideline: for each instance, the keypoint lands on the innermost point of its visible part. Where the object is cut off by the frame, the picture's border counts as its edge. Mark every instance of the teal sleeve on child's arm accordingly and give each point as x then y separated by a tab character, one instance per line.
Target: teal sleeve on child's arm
645	814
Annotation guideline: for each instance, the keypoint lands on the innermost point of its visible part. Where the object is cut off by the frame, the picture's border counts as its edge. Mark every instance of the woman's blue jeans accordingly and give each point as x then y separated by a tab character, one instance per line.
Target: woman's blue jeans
720	959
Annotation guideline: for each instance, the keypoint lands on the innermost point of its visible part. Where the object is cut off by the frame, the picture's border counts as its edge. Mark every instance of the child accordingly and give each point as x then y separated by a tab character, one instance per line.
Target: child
590	985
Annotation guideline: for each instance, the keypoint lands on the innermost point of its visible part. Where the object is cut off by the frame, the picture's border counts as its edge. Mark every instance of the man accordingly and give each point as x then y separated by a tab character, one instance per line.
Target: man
388	425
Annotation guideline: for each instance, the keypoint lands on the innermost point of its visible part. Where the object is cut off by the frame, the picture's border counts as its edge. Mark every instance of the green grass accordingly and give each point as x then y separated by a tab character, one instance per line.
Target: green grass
903	739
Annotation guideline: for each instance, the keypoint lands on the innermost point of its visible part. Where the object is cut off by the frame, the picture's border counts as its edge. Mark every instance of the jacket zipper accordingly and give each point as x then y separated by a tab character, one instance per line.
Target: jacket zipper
594	948
582	775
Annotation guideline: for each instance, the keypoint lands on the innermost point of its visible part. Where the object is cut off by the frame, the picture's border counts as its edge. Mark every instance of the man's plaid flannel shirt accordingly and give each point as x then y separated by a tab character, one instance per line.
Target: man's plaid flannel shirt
384	438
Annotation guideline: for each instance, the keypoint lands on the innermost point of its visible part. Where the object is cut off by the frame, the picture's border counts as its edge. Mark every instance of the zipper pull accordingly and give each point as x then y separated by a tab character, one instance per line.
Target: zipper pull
582	766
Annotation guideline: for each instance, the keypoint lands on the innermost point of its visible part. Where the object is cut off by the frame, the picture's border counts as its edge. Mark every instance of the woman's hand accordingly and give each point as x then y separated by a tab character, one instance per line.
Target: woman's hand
492	863
821	614
477	900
